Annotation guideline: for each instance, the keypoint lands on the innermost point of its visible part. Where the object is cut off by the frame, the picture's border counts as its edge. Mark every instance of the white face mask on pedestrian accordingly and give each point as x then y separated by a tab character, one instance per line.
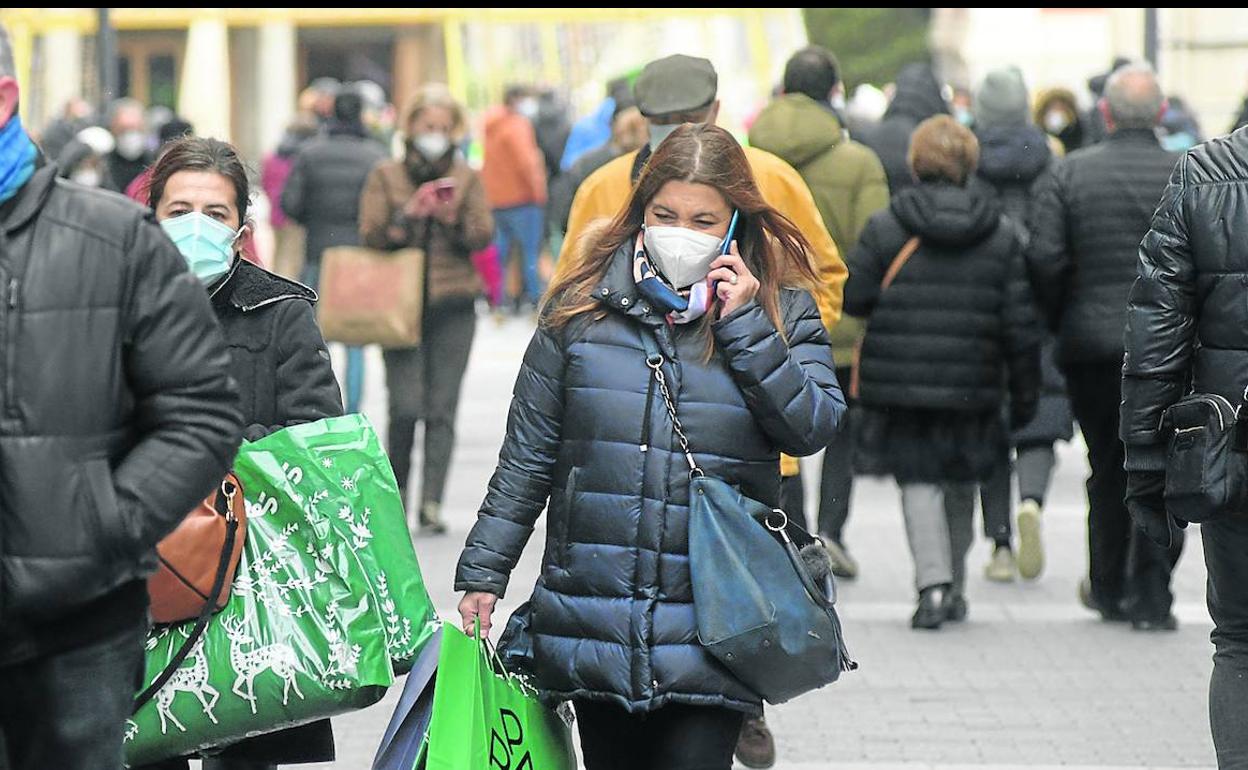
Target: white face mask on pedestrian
682	255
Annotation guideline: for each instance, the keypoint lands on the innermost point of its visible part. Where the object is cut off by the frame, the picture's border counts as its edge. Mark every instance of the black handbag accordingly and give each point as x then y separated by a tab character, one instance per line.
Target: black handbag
763	592
1206	461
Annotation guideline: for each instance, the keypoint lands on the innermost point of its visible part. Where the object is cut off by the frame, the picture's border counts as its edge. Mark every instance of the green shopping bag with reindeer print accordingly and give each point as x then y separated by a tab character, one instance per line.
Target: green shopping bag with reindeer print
338	467
312	624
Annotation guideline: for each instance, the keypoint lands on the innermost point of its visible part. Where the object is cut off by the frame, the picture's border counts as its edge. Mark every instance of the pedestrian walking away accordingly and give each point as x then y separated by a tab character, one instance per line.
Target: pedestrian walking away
430	200
934	420
200	194
1015	157
322	193
1088	219
751	375
101	461
1191	287
849	185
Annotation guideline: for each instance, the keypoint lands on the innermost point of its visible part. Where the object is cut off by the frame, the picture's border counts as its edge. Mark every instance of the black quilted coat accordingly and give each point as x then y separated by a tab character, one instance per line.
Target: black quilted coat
1187	316
612	613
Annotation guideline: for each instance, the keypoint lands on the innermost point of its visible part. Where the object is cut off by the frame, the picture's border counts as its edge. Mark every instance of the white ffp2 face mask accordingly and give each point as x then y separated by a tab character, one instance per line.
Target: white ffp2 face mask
682	255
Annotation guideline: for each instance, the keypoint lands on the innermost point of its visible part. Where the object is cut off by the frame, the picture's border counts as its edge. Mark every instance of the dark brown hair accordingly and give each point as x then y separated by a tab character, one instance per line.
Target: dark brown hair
942	149
771	245
194	153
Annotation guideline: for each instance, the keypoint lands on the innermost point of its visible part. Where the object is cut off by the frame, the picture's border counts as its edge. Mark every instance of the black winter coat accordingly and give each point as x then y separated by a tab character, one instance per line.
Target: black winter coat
323	190
1087	222
1012	161
277	353
612	613
285	378
917	98
117	413
1187	318
958	318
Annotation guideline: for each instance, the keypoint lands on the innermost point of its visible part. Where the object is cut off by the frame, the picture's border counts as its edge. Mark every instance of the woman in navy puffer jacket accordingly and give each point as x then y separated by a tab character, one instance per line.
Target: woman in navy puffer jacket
611	623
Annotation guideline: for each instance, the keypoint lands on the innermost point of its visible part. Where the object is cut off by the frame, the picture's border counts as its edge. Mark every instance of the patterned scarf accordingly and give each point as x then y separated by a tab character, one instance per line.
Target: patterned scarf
17	158
680	307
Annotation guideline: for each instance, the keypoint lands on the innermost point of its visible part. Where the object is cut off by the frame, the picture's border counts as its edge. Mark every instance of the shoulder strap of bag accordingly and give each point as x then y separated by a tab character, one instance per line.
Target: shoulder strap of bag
227	492
655	360
899	261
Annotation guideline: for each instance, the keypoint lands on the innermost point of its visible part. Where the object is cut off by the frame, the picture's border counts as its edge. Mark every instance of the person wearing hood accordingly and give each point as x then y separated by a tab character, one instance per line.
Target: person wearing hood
1057	112
917	97
1013	156
939	277
514	174
433	201
847	180
1087	222
323	194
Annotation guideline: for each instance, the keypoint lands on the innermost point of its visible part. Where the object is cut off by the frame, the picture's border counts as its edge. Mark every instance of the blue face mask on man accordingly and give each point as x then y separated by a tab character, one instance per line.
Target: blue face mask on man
206	244
17	158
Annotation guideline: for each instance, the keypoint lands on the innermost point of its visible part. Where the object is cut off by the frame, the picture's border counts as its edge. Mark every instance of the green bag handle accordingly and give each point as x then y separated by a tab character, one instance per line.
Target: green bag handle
490	653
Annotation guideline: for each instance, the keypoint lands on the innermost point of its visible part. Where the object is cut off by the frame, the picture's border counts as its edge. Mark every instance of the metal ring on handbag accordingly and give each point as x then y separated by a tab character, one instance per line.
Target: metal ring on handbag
784	520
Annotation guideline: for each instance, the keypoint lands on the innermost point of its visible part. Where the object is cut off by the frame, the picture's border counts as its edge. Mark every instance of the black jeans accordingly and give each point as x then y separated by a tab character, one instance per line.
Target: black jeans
1128	571
837	479
68	710
996	503
424	384
675	737
1226	558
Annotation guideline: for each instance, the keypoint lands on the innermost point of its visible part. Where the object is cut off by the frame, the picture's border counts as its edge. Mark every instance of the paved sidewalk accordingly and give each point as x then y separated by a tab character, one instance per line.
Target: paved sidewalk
1031	680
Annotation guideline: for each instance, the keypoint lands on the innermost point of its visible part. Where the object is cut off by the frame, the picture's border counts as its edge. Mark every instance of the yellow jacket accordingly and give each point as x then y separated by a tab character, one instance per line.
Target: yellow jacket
606	191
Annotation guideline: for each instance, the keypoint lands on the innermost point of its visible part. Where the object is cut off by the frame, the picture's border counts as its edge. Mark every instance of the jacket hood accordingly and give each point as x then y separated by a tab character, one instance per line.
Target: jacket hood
796	128
918	94
1012	155
945	214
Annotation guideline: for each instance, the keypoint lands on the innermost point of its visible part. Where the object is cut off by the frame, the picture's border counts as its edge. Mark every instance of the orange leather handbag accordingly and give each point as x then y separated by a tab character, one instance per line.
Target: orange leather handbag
199	556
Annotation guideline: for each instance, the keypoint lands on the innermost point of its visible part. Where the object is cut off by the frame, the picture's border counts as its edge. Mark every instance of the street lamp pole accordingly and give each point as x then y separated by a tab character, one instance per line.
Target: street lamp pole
106	60
1150	36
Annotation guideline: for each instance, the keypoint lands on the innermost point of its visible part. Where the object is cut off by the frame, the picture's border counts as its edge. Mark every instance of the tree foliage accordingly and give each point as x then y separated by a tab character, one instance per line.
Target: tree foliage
872	44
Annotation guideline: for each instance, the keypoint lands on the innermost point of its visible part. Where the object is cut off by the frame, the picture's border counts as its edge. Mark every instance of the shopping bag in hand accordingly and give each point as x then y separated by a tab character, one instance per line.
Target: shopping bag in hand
486	719
404	740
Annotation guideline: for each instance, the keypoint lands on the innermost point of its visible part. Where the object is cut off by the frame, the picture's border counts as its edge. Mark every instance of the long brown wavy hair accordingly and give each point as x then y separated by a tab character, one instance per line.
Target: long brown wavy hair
770	244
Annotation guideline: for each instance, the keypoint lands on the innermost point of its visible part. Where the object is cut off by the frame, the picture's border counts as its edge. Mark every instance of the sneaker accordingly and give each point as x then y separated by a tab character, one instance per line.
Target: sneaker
931	611
756	748
1168	623
1030	546
843	565
1001	568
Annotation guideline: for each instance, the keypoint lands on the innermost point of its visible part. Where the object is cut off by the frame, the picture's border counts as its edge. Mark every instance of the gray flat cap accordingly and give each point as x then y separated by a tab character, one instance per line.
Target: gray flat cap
676	83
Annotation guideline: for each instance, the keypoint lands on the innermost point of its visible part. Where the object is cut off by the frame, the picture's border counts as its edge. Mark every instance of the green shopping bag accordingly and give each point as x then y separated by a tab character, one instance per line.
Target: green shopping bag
300	639
337	469
486	720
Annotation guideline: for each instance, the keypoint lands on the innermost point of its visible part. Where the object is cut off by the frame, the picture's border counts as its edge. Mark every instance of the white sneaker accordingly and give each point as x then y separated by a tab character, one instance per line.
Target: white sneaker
1001	568
1030	546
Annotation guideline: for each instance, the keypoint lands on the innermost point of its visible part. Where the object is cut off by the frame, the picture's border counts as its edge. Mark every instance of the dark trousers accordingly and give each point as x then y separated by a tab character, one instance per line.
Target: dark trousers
68	710
837	479
675	737
996	503
793	497
424	384
1226	558
1127	570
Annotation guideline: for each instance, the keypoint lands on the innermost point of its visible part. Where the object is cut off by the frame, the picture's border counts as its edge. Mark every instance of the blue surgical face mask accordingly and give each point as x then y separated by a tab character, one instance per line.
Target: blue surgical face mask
206	244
